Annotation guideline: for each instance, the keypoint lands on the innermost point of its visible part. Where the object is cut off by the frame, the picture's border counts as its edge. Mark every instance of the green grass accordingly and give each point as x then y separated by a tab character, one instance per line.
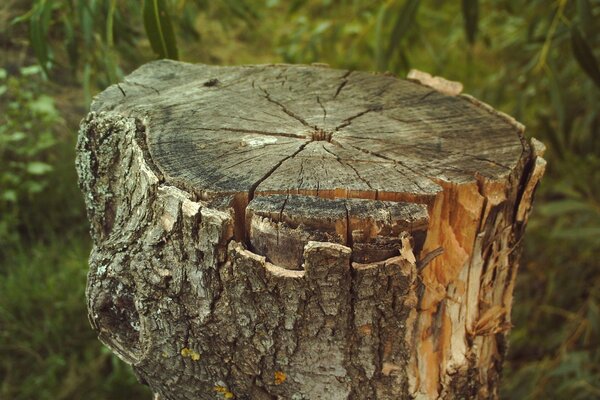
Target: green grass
47	348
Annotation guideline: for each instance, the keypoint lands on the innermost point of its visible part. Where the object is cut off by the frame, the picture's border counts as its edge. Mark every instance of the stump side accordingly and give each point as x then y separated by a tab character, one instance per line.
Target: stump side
175	287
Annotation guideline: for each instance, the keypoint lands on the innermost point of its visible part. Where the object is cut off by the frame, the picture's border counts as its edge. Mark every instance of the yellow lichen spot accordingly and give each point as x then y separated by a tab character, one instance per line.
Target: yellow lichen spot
280	377
185	352
224	391
220	389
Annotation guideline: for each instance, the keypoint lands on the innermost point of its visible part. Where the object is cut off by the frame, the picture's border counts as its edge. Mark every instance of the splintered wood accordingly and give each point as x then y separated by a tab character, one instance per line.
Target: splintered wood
300	232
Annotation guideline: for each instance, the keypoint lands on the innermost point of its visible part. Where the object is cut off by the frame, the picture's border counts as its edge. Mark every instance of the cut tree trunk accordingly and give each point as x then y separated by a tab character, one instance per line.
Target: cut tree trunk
300	232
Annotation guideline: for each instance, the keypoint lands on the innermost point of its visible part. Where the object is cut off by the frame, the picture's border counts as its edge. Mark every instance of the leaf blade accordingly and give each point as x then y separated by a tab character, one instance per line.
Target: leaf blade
403	24
470	12
584	55
159	29
38	29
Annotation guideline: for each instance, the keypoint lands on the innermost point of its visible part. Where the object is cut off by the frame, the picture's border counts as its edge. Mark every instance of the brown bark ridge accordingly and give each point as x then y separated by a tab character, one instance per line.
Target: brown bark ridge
301	232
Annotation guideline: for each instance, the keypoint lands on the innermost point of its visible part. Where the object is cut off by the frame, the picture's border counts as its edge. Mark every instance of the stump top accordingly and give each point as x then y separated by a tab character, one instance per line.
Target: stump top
248	131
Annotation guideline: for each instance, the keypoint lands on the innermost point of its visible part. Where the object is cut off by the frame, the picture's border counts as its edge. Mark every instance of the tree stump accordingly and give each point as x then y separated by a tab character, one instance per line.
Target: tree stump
300	232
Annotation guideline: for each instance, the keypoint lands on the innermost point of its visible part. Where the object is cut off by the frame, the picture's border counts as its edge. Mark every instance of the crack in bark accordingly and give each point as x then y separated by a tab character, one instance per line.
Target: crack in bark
406	121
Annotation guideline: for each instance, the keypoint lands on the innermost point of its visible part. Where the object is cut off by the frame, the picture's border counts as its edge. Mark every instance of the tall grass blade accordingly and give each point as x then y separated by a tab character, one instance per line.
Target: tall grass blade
584	55
160	29
405	20
470	12
38	30
380	60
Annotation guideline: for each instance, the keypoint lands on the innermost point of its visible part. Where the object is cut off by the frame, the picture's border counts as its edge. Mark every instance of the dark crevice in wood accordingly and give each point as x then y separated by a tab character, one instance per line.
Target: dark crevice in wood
486	160
301	176
225	85
527	168
286	110
349	120
281	215
121	89
323	108
339	89
272	170
341	85
352	168
239	204
349	239
143	86
211	82
391	160
235	164
426	95
141	137
427	258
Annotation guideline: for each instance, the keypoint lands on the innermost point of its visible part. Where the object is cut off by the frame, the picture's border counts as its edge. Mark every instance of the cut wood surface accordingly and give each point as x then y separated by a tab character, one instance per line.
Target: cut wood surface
320	233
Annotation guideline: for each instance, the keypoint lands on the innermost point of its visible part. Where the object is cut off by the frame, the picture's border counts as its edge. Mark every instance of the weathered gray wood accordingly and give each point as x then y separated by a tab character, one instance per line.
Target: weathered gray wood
299	232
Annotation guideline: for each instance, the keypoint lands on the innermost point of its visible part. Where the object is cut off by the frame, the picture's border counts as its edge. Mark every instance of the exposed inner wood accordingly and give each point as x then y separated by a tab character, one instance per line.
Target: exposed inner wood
233	134
281	225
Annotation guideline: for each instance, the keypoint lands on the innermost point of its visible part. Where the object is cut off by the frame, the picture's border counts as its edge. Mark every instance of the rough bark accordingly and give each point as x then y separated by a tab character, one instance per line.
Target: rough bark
295	232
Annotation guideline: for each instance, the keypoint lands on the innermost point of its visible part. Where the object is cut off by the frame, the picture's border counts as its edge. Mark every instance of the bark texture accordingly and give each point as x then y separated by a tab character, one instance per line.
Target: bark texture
298	232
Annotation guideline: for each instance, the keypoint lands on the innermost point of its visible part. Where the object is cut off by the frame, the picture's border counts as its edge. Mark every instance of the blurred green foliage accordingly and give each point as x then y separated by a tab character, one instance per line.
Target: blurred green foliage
49	351
536	60
26	146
